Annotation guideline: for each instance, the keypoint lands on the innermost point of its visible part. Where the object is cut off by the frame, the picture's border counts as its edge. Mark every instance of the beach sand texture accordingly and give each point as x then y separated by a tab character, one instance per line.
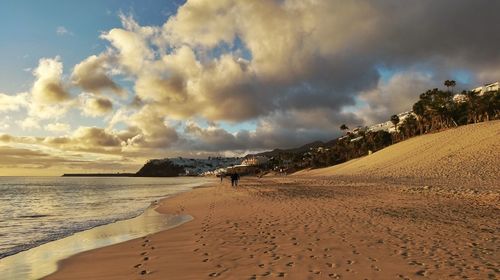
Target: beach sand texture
375	220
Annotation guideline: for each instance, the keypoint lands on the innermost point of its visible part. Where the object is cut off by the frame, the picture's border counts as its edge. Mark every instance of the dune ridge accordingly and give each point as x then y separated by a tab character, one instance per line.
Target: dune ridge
466	155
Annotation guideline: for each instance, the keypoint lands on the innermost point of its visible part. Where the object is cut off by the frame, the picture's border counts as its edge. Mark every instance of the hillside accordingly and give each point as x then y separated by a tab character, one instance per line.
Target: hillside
299	150
159	168
465	154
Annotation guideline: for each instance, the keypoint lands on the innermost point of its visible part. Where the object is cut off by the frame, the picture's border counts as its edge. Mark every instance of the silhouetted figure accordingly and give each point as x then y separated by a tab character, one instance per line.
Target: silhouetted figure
221	177
234	179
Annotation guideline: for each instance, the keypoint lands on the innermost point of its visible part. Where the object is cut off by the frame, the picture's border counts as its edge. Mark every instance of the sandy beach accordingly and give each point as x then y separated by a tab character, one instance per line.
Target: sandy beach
390	215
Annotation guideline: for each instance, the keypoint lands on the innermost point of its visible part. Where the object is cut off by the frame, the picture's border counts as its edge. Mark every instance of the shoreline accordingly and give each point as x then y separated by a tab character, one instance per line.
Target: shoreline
304	228
42	260
161	208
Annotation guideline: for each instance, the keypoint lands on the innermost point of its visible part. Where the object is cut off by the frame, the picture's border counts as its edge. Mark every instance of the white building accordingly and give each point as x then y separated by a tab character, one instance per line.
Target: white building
460	98
388	125
255	161
204	166
487	88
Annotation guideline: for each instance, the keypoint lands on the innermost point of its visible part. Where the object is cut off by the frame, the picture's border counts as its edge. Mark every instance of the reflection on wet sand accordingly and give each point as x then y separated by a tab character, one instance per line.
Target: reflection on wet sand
42	260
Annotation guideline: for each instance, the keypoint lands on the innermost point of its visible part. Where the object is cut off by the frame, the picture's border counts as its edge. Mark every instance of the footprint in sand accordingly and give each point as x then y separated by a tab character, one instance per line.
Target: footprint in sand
332	265
334	276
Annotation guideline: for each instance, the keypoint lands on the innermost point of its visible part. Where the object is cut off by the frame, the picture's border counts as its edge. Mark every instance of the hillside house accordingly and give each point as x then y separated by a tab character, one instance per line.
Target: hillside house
487	88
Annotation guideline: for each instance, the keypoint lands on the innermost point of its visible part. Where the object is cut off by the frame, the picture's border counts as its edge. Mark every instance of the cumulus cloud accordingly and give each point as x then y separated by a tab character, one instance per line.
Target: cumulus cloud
96	106
132	44
151	130
48	87
91	75
86	139
292	65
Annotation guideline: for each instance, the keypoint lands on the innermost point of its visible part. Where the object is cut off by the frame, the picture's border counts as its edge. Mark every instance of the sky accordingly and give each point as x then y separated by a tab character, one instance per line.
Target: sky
104	85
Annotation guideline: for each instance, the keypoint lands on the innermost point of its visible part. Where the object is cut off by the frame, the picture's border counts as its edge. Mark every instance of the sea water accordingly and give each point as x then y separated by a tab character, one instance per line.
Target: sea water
37	210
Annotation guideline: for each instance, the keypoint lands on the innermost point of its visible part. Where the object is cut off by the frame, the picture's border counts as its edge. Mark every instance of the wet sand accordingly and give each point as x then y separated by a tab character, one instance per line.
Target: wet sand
326	226
42	260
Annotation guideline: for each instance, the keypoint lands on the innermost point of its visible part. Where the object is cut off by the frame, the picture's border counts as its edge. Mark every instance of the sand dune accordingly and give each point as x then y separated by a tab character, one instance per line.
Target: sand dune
465	155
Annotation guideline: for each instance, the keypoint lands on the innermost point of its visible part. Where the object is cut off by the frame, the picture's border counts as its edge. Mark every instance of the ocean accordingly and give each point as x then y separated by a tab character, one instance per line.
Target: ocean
37	210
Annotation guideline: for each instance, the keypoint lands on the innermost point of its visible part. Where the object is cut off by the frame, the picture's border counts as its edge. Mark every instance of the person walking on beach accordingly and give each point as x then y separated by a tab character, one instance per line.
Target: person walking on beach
234	179
237	179
221	177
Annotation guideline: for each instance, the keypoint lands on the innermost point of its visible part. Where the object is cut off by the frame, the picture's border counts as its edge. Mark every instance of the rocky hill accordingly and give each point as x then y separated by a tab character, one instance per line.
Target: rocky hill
160	168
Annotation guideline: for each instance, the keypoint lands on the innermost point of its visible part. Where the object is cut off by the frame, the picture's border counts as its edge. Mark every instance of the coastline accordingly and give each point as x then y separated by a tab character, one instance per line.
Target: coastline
257	231
42	260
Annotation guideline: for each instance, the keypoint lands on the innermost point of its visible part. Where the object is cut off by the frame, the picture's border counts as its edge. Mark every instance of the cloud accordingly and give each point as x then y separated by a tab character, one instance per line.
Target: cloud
17	161
22	157
289	67
29	123
48	87
91	75
96	106
285	130
394	96
132	44
151	130
49	97
86	139
62	31
4	123
10	103
93	136
58	127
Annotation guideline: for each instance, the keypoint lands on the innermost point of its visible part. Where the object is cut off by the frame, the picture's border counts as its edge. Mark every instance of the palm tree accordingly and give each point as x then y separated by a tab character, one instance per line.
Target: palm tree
419	110
450	83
